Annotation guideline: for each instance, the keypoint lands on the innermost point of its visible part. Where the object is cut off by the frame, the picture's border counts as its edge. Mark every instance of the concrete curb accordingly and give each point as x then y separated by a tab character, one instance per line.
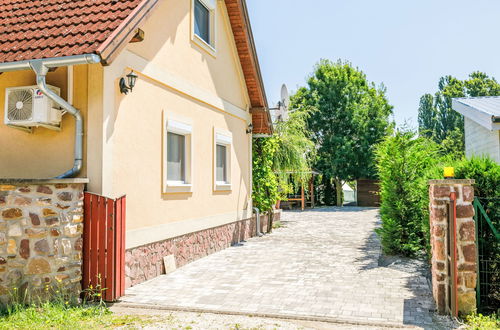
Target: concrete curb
348	321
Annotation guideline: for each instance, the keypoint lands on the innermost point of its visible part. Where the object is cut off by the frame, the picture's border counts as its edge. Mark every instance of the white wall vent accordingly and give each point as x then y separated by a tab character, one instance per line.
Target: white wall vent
27	107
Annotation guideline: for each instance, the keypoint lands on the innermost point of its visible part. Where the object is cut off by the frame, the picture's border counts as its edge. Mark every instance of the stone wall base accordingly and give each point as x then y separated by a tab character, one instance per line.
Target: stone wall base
146	262
41	225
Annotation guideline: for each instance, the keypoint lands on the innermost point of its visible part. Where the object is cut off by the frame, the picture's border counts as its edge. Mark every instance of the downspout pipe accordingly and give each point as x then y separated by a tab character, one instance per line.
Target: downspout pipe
41	68
257	220
41	71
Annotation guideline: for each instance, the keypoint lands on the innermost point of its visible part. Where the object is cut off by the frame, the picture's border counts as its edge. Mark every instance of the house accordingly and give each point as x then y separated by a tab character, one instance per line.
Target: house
481	124
155	100
349	194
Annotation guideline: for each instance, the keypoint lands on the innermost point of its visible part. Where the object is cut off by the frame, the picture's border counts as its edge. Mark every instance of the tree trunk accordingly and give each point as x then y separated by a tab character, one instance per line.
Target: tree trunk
270	221
338	190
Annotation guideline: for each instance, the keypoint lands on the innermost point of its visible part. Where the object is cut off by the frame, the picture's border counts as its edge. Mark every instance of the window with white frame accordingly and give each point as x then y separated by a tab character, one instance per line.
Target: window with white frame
222	160
176	157
204	23
221	164
177	168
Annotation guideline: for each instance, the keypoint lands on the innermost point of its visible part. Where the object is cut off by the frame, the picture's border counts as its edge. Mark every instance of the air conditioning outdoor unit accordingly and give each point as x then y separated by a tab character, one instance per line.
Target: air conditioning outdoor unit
27	107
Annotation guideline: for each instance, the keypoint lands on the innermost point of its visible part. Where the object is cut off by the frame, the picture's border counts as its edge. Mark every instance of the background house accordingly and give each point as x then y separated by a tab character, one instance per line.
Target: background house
481	124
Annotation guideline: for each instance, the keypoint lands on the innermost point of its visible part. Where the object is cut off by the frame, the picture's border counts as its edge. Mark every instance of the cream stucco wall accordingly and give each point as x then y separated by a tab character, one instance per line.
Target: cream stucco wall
123	134
44	153
168	43
181	81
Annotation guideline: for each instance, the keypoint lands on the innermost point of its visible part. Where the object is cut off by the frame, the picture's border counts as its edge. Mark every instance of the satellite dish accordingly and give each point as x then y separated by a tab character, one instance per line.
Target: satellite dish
284	103
285	97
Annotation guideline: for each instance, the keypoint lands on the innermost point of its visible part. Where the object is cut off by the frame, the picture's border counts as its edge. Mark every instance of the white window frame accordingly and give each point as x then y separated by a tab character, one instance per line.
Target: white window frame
185	129
211	5
226	139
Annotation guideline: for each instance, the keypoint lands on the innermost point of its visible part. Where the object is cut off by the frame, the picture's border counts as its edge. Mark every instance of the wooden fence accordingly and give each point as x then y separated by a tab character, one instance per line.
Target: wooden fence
104	246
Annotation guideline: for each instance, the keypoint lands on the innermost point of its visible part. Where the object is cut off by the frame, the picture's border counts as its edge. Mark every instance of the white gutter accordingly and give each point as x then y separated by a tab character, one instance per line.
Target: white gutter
41	67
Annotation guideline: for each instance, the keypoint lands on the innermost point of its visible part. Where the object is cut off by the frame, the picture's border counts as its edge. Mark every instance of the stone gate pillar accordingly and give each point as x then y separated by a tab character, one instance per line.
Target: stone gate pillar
439	196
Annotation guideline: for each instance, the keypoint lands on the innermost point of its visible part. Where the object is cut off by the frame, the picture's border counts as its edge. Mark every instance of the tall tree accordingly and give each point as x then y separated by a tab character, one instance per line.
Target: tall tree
351	116
437	119
427	116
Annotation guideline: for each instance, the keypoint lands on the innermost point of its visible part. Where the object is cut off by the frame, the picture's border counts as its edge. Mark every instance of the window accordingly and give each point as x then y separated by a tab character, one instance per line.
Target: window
176	157
222	160
203	29
177	161
202	21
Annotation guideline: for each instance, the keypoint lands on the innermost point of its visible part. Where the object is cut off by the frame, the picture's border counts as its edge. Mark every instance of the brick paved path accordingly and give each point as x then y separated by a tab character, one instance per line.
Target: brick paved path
324	263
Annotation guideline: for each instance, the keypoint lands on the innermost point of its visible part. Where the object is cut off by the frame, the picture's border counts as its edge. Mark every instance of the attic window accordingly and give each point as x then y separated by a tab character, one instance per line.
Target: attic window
204	23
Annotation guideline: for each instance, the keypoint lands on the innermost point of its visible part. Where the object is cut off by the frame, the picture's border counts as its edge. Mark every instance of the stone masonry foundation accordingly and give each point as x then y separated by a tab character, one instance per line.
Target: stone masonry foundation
41	222
146	262
439	193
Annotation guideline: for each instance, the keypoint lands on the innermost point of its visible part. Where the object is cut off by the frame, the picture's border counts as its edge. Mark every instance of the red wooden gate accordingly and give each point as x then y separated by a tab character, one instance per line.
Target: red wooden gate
104	245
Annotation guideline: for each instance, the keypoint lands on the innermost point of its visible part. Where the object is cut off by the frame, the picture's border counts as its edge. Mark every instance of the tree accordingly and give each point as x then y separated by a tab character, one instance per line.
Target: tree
351	115
292	158
436	118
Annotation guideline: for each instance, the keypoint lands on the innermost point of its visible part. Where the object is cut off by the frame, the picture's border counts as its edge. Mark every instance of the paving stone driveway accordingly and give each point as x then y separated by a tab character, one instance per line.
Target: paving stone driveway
324	263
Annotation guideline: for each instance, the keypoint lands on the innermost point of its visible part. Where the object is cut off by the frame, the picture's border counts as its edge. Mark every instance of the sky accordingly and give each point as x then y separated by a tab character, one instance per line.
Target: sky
405	44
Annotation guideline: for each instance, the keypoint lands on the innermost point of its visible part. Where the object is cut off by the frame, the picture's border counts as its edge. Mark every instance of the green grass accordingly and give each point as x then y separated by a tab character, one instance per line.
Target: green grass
277	224
59	316
482	322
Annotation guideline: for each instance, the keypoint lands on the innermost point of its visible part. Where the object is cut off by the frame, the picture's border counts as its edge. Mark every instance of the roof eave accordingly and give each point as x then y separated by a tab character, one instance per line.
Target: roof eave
253	49
487	120
121	36
245	44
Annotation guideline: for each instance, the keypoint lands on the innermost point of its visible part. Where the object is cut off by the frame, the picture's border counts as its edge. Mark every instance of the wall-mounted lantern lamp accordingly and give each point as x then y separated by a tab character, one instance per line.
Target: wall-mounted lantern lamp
250	128
131	79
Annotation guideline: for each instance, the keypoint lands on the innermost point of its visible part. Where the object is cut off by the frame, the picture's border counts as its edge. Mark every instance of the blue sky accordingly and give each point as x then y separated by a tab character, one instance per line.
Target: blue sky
405	44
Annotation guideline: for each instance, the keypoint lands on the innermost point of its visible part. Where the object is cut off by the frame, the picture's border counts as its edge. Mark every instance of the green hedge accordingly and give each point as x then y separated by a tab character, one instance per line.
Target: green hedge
486	173
405	163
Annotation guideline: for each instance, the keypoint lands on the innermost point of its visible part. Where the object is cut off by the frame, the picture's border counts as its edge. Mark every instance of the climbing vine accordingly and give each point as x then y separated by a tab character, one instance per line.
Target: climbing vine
265	181
281	163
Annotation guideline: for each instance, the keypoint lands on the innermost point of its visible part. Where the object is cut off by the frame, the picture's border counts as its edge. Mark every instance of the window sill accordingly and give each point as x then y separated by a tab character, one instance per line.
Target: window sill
203	45
222	186
175	186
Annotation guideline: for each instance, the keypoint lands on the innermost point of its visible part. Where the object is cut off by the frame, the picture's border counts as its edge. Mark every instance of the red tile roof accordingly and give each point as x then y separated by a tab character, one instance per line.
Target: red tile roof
33	29
242	31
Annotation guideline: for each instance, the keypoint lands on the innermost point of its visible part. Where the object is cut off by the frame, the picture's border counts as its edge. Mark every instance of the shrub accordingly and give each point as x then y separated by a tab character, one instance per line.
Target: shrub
487	187
478	321
486	173
405	163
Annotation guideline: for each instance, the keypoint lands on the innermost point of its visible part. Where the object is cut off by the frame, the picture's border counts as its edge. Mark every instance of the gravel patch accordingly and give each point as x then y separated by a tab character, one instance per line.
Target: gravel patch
158	319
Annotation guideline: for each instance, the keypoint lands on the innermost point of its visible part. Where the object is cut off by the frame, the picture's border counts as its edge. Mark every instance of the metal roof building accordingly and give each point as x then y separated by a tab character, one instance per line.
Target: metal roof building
483	110
481	125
